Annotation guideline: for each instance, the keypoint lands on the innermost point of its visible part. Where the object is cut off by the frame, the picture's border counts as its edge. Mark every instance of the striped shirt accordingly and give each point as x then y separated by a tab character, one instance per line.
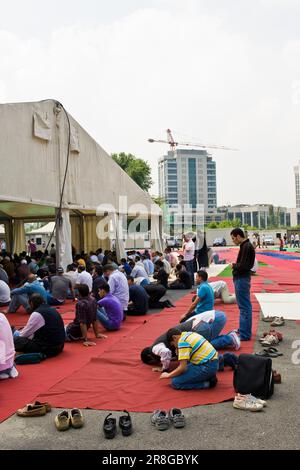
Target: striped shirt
193	348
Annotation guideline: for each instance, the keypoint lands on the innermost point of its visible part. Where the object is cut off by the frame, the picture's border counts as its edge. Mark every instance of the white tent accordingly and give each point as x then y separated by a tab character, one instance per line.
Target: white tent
36	167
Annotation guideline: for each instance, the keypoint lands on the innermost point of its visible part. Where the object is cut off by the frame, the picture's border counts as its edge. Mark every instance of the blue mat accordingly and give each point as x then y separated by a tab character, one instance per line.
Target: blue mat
279	255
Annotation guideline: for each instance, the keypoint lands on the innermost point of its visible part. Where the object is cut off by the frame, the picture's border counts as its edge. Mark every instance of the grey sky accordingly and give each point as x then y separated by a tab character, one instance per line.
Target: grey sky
215	71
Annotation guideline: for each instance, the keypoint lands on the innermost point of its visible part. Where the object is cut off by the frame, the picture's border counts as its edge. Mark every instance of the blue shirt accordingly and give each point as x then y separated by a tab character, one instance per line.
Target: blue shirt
206	294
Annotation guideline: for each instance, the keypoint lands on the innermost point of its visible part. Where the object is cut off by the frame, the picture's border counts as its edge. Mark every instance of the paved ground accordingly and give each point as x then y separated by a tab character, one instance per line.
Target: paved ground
208	427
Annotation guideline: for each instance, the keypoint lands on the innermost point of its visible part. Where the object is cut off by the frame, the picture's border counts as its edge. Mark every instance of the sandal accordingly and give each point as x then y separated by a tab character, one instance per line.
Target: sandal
266	353
125	424
275	351
110	427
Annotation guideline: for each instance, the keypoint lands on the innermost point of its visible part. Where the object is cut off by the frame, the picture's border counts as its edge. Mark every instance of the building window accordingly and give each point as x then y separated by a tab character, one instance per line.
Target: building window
192	182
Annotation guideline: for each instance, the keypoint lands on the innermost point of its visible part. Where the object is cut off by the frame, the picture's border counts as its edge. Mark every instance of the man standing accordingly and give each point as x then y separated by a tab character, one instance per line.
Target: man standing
241	271
188	256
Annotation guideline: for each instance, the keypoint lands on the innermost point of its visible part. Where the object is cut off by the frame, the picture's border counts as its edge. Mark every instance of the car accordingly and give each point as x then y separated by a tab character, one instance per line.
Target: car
219	242
269	240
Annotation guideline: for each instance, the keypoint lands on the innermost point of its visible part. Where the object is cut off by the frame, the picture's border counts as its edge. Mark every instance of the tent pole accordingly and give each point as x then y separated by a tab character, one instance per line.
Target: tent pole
57	237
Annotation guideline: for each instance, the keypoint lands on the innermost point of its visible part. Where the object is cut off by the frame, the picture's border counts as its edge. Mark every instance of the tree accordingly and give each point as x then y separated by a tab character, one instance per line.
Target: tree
160	201
137	168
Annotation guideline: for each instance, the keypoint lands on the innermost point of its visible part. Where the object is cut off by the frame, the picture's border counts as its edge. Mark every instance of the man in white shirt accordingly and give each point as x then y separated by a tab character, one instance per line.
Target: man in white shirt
84	278
296	241
221	291
188	256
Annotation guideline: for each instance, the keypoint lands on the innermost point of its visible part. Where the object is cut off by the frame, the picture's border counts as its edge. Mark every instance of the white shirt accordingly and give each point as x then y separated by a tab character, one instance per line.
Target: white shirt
85	278
4	293
217	287
167	266
72	276
207	317
164	353
35	322
296	237
188	250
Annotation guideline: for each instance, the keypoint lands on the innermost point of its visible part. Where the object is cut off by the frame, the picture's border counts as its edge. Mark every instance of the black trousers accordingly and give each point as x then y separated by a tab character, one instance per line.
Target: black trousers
155	292
26	345
178	285
133	311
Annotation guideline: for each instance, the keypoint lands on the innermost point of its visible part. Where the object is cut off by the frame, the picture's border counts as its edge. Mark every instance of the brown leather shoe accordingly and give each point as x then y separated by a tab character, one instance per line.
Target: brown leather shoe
32	410
46	405
276	377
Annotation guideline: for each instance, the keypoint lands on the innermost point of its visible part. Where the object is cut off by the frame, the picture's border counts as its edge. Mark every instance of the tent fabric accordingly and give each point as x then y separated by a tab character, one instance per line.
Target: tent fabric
155	234
76	238
64	232
93	177
19	236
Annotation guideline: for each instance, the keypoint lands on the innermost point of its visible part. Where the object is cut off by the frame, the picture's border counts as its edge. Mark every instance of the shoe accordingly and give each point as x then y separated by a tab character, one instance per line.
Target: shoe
110	427
160	420
279	321
270	340
213	382
177	418
46	405
247	404
271	332
62	421
32	410
125	424
13	373
76	418
235	340
276	377
268	319
230	360
250	397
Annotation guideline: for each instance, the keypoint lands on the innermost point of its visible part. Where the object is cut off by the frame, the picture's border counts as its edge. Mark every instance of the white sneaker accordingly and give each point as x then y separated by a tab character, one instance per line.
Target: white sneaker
235	340
246	404
251	398
270	340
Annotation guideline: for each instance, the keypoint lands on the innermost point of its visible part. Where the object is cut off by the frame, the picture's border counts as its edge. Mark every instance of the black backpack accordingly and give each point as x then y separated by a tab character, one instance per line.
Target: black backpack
254	375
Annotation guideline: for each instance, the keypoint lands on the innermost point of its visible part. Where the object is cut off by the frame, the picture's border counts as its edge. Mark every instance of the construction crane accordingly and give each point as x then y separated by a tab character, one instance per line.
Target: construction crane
174	144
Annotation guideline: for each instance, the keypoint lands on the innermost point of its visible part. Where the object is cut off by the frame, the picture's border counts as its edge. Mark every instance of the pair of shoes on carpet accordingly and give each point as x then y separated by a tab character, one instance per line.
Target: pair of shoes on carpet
34	409
269	352
110	425
278	321
67	419
162	419
248	402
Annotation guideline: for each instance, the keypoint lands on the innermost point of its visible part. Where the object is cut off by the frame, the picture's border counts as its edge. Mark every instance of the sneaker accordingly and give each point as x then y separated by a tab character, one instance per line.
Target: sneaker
251	398
62	421
279	321
177	418
270	340
160	420
235	340
76	418
246	404
271	332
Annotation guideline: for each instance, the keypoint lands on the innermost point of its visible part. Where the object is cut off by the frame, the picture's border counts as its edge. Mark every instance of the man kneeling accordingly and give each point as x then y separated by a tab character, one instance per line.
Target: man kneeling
198	361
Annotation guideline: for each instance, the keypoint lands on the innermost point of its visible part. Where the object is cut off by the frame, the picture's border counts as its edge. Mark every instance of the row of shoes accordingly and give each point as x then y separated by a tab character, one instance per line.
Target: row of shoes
248	402
275	321
162	419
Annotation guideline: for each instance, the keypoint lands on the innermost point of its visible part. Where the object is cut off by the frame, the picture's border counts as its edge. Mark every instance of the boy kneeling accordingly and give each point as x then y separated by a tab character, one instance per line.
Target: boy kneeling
198	361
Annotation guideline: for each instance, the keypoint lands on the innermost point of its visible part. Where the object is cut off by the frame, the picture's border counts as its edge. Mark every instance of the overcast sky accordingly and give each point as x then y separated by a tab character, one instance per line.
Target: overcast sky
224	72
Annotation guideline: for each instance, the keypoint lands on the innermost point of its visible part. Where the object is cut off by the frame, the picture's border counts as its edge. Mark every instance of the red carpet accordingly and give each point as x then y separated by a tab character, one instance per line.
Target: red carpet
111	375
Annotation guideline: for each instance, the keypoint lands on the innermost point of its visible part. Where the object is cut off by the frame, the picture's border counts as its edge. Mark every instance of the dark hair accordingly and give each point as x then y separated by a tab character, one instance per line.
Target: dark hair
71	267
108	267
172	332
130	278
123	260
147	356
137	258
36	301
105	287
203	275
159	263
83	290
81	268
41	273
237	232
98	269
52	269
131	263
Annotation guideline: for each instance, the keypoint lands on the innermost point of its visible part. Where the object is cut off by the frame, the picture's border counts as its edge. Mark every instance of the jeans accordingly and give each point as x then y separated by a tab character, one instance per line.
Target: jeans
242	290
104	320
190	269
196	376
16	301
219	341
52	301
